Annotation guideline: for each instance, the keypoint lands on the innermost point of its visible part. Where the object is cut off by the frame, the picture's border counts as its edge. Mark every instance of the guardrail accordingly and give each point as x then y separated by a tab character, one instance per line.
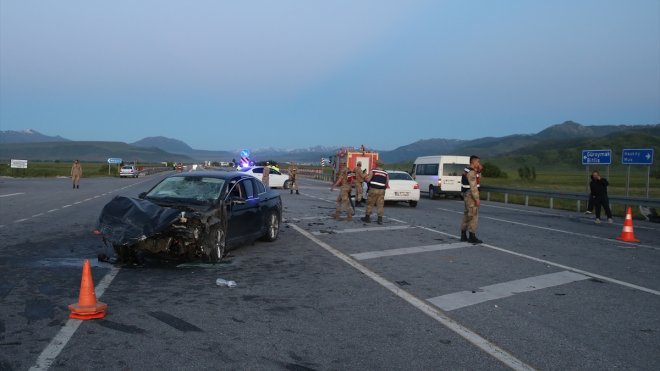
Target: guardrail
154	170
578	196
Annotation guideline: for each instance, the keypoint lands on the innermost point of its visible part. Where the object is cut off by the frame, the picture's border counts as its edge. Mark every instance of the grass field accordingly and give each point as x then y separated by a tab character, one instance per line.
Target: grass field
53	169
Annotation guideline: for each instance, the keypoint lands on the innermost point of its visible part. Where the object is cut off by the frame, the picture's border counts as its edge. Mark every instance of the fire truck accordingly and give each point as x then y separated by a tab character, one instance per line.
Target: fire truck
349	156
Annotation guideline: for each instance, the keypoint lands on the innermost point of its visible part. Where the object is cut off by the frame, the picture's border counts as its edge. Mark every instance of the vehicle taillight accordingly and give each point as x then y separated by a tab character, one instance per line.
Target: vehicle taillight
416	186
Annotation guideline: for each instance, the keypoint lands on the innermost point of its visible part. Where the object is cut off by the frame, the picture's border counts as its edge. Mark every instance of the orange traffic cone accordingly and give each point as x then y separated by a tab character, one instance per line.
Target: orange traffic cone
87	306
627	234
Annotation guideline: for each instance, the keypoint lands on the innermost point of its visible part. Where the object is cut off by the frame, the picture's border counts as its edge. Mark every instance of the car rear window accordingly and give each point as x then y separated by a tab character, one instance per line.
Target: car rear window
399	176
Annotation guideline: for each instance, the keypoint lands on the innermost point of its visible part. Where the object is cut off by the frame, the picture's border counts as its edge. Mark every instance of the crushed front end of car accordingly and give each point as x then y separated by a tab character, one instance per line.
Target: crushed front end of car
136	226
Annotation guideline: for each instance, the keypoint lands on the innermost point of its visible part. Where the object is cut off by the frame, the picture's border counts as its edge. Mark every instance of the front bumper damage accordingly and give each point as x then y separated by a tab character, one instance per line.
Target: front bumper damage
135	226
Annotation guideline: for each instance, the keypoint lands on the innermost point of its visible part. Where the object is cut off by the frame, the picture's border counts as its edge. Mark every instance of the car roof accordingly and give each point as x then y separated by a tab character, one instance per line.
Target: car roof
395	171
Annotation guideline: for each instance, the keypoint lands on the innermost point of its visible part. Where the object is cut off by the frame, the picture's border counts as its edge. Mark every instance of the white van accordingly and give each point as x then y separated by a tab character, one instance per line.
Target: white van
440	174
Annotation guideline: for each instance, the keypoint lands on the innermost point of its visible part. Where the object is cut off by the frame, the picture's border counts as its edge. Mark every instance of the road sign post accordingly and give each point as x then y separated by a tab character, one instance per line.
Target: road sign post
596	157
113	160
638	156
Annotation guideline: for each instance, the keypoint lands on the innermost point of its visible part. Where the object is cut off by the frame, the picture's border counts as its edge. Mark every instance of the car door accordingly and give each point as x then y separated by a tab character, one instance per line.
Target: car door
237	210
251	207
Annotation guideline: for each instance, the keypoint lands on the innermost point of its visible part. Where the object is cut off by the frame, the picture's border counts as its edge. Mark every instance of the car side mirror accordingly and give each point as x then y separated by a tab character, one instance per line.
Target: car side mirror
142	195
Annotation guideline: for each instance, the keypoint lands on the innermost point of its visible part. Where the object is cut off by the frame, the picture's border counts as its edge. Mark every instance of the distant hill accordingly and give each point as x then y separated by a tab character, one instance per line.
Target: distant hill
166	144
86	151
560	135
179	147
27	136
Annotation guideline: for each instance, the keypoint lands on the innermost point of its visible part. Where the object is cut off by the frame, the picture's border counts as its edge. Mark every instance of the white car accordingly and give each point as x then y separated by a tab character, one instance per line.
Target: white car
275	178
402	187
129	171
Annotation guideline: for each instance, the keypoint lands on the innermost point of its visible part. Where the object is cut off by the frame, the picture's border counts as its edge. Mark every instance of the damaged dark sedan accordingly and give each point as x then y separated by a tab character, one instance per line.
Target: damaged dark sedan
188	216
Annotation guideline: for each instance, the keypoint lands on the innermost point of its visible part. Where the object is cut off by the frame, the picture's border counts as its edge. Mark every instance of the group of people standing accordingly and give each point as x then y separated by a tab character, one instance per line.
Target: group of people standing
377	181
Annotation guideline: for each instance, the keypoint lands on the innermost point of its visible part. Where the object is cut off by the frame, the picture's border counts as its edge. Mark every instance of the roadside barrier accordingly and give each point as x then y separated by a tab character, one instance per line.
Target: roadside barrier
627	234
87	306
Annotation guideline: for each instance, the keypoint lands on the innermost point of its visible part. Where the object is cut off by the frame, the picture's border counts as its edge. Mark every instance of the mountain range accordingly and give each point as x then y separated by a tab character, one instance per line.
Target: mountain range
551	144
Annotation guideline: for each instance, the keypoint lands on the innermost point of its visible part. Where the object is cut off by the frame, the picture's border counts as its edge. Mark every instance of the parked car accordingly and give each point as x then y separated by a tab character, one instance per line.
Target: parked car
440	174
129	171
275	179
192	215
402	187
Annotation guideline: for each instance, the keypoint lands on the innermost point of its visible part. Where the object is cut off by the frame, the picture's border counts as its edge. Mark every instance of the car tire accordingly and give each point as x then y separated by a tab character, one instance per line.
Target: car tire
413	203
216	244
272	227
431	192
287	184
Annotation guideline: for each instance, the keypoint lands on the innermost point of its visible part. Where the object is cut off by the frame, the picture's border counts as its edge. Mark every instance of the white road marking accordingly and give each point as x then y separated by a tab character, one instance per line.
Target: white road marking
65	206
369	229
77	202
408	250
87	199
505	289
50	353
53	210
428	309
557	230
37	215
20	220
12	194
558	265
396	220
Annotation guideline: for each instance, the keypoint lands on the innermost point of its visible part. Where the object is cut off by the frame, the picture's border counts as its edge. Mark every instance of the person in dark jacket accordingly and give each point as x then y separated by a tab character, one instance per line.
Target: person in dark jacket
599	197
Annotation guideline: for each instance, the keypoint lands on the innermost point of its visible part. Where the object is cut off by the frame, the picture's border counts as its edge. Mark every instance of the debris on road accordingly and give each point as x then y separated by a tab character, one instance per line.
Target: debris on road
223	282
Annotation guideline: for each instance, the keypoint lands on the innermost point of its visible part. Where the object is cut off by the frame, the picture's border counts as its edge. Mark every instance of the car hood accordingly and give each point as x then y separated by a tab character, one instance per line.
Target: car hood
125	220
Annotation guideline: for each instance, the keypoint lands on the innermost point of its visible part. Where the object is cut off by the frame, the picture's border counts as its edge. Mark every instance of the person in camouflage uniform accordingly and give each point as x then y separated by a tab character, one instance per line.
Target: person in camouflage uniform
265	177
293	177
359	179
378	181
470	188
344	192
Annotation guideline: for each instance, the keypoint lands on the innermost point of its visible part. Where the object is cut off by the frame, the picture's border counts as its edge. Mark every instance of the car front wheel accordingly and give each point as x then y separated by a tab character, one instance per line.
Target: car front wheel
272	228
217	244
431	192
413	203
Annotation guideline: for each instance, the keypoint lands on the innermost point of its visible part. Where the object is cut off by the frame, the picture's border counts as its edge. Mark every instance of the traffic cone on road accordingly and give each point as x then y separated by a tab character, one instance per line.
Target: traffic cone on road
627	234
87	306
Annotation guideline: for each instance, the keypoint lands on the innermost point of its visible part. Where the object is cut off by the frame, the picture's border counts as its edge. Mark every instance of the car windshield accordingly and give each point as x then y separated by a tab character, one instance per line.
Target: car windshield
193	189
399	176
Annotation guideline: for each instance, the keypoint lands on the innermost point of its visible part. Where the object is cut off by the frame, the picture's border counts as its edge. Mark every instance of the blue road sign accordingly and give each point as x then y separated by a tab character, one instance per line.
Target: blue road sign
596	156
114	161
637	156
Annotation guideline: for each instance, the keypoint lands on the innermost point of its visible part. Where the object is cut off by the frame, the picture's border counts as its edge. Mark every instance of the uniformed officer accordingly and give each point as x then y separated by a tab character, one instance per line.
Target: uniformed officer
378	180
359	179
344	192
76	173
470	188
265	177
293	172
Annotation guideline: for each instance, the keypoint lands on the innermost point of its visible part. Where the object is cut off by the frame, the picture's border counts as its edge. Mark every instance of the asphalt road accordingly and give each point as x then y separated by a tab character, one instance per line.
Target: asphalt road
548	290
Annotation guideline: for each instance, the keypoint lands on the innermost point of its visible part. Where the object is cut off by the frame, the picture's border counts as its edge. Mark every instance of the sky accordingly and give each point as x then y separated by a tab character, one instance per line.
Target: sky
225	75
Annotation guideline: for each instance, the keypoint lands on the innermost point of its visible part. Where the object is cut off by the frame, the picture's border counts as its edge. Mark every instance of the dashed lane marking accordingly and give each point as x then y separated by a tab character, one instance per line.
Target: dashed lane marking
52	210
408	250
37	215
65	206
50	353
368	229
20	220
554	230
558	265
505	289
425	307
12	194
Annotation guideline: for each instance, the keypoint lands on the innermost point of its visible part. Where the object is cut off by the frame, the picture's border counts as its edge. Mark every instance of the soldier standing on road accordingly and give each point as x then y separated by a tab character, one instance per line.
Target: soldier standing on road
344	192
76	173
470	187
359	179
378	180
265	177
293	173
